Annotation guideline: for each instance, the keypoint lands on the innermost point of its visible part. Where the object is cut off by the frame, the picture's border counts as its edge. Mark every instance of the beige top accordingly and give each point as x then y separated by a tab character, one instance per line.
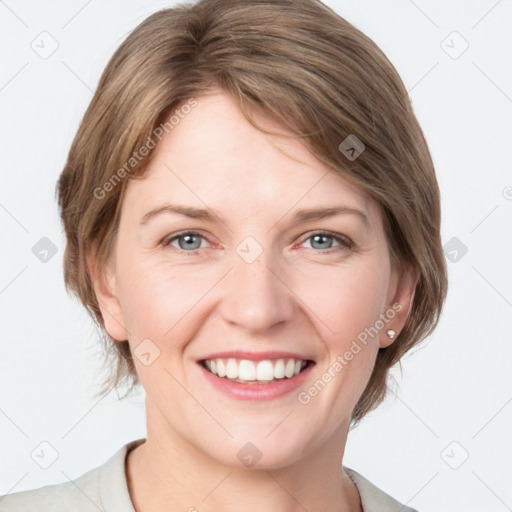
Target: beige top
105	489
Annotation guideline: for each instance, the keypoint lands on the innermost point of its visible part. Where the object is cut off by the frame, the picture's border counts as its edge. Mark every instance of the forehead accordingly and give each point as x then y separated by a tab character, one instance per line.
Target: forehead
215	158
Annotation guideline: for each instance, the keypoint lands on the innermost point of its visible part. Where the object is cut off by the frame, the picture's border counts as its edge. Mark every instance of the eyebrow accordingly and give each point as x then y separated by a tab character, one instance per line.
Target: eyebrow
206	214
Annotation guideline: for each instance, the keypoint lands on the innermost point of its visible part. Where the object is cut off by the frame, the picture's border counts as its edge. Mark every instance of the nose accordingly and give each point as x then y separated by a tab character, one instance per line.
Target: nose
256	296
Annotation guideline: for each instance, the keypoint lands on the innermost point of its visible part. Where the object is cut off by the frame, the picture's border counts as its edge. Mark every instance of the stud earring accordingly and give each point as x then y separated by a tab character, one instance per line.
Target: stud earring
391	333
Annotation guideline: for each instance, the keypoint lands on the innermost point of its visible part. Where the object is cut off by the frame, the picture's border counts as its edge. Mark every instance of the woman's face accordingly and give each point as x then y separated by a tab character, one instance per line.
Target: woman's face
261	279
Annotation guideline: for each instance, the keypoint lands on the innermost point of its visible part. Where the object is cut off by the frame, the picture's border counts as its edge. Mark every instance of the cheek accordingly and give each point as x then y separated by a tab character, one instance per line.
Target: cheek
144	300
347	300
160	301
155	310
347	315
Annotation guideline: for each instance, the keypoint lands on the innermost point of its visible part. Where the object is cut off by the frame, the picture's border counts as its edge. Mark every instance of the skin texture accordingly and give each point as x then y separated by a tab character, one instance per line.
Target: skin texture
301	295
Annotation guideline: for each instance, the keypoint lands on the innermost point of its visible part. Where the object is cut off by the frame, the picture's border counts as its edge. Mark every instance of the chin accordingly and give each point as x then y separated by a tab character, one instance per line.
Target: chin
255	451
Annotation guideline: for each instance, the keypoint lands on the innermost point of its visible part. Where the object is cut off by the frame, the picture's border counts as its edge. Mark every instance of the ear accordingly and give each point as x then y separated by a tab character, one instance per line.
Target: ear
400	299
103	279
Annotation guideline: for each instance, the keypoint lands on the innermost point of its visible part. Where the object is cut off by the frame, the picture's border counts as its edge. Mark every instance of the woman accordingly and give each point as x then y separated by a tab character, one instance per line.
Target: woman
227	142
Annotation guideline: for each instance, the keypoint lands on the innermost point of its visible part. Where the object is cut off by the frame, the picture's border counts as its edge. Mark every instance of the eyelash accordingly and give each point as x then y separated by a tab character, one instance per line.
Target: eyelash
344	241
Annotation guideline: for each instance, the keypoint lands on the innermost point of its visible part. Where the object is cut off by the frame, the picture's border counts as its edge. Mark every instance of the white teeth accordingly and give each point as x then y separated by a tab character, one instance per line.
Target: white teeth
265	371
279	369
246	370
250	371
290	368
231	369
221	369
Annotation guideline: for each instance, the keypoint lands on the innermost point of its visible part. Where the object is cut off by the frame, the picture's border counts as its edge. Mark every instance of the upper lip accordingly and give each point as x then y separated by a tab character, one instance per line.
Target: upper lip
256	356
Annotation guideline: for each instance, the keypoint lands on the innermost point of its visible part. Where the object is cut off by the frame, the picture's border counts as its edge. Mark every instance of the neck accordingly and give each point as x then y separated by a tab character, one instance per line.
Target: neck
168	471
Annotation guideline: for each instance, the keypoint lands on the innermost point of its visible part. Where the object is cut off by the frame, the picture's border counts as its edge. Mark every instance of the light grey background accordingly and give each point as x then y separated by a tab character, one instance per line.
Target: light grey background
453	398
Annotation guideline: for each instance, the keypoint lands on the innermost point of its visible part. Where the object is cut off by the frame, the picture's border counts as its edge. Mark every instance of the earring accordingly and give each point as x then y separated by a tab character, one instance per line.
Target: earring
391	333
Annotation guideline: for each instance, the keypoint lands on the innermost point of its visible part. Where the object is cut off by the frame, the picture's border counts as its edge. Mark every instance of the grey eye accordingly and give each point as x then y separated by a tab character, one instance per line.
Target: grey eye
190	241
187	241
325	241
321	241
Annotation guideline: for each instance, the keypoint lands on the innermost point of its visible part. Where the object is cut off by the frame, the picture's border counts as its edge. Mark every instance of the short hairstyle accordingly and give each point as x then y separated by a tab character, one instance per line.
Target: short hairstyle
296	61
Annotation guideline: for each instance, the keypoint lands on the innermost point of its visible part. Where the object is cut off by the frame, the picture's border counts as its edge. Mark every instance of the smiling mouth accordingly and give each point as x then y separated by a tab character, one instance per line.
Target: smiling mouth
245	371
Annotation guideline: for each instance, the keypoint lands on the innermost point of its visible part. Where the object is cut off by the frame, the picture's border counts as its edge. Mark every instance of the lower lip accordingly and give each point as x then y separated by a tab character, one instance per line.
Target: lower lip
256	391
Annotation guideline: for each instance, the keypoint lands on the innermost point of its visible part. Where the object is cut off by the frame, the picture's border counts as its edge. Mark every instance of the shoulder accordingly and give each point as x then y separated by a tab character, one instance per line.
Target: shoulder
80	494
374	499
103	488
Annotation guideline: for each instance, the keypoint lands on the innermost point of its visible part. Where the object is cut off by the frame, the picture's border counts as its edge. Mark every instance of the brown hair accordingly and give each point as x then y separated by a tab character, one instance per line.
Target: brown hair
296	61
